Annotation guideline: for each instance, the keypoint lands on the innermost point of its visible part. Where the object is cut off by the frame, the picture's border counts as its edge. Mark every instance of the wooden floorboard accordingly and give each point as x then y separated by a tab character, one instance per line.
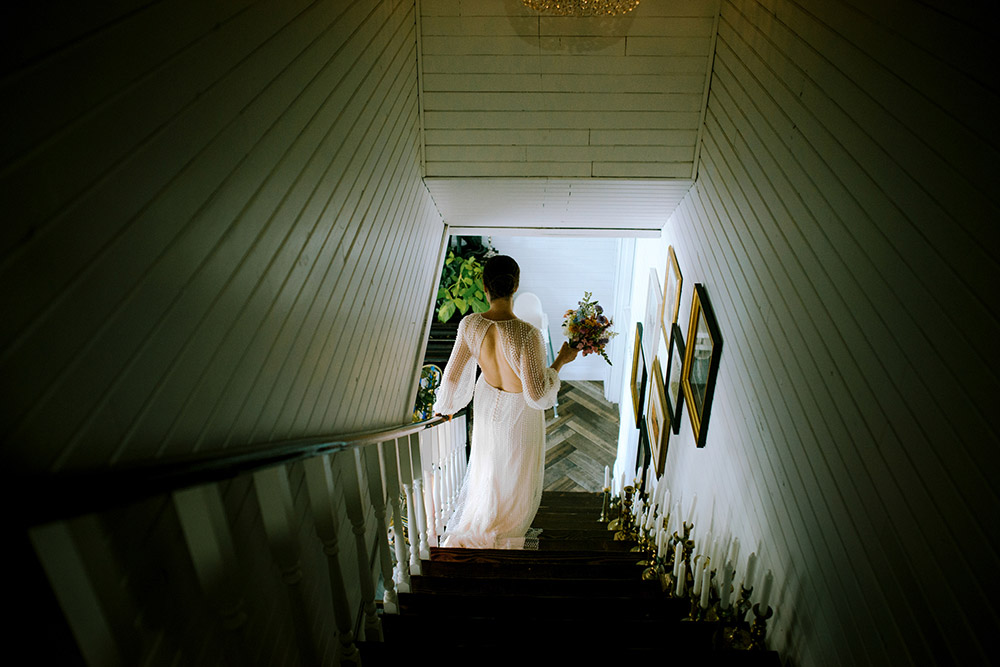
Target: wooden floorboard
581	440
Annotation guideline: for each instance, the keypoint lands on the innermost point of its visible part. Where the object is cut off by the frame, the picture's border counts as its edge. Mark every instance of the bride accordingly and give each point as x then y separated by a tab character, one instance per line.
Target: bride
503	484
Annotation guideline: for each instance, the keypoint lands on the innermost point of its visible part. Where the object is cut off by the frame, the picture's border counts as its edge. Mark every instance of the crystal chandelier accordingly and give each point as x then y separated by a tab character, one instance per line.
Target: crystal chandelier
582	7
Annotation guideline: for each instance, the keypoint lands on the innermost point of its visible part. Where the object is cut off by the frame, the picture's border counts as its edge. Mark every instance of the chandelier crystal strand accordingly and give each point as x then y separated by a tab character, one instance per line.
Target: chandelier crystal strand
582	7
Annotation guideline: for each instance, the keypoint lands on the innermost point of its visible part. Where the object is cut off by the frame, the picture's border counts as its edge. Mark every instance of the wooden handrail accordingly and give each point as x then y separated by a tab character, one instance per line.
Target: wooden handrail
59	496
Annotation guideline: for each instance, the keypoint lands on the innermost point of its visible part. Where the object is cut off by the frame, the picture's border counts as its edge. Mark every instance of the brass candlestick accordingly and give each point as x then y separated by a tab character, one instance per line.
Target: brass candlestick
758	630
625	520
605	502
743	604
616	508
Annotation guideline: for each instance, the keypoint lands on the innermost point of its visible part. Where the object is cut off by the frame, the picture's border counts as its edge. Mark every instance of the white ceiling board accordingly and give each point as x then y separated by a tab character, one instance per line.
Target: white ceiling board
551	206
505	92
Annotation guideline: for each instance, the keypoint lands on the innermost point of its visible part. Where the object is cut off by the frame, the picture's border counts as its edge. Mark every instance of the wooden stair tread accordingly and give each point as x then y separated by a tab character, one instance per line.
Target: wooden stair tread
562	602
460	555
515	607
632	588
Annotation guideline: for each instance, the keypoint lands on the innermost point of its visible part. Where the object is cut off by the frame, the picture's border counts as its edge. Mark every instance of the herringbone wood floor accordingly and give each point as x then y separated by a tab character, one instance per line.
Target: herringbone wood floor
582	440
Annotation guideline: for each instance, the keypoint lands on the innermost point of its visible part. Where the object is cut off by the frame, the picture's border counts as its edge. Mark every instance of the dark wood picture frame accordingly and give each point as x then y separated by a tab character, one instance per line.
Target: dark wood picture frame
638	375
673	378
657	421
701	362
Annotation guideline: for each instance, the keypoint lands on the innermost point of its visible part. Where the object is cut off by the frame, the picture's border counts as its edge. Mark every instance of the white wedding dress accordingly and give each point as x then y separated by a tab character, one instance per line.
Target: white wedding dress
503	483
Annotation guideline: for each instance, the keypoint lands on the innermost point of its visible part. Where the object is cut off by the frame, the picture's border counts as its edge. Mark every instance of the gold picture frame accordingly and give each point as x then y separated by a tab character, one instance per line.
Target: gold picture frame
701	362
673	280
657	421
638	383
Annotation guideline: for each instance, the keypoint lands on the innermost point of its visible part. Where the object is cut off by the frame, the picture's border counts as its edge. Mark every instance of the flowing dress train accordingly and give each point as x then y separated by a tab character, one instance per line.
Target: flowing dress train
503	483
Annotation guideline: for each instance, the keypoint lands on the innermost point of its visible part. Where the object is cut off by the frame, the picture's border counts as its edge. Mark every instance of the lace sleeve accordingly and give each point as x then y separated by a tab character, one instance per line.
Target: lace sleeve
541	383
459	378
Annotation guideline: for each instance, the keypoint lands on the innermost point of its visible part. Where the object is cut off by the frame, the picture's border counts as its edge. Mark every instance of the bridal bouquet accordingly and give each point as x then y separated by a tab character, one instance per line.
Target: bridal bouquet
587	329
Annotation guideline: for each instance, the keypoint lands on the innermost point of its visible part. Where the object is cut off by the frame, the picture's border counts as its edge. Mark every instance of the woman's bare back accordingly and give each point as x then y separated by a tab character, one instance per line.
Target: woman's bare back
496	369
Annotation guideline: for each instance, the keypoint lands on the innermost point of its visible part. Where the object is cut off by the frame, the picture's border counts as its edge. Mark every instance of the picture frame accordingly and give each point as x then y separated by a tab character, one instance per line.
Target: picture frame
673	378
651	323
673	281
657	421
638	383
701	362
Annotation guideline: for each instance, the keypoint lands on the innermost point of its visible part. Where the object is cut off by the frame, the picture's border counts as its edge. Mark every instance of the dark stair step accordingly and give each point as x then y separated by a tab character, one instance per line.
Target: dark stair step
585	533
585	545
591	568
631	588
504	608
511	651
461	555
527	629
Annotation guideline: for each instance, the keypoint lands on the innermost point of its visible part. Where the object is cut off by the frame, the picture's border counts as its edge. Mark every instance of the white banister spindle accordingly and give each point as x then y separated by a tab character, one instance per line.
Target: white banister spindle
419	498
319	485
427	459
370	457
349	463
402	575
103	636
411	533
277	511
413	528
210	544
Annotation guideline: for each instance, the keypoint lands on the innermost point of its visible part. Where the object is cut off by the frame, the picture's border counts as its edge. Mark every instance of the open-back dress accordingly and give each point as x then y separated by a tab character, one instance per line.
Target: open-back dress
503	483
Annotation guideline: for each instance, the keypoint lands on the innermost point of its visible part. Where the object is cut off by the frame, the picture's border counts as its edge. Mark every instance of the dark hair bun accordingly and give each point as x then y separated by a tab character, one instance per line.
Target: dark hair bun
500	276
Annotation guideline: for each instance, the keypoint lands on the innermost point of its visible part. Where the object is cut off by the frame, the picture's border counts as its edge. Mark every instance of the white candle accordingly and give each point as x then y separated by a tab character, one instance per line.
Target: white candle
765	594
696	568
735	553
665	500
704	590
727	584
681	577
677	558
694	503
607	477
715	550
751	568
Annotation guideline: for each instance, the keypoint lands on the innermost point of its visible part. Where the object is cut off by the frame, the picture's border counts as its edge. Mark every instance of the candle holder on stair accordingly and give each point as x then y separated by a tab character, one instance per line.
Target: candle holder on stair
758	630
626	529
605	506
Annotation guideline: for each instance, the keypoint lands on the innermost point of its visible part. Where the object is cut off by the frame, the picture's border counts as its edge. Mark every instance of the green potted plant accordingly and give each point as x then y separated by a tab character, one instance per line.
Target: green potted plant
460	290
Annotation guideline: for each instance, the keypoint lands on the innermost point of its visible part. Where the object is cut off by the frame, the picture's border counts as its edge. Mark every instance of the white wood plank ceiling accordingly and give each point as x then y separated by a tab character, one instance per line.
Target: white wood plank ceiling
550	123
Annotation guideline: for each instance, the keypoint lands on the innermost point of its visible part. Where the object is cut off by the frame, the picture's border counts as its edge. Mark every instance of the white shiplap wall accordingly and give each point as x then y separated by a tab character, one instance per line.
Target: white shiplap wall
558	271
215	232
509	93
840	224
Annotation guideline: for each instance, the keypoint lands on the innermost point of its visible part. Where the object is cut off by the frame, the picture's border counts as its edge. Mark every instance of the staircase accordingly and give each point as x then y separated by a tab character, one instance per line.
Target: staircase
579	599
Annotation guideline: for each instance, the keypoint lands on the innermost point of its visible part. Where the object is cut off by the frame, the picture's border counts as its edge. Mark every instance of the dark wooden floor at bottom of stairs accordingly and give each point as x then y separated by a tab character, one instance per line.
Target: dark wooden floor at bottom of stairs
578	600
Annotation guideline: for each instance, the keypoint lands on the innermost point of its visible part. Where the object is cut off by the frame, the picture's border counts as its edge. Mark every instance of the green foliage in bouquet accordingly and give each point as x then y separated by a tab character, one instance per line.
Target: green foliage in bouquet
461	286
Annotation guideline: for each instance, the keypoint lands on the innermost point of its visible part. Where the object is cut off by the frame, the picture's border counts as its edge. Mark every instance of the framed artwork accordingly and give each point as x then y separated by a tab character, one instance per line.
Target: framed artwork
651	325
672	282
657	421
672	378
701	362
638	375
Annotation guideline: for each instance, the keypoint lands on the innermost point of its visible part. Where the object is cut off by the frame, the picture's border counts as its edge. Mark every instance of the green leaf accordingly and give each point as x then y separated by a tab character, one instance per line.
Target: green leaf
447	310
479	294
442	292
461	305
